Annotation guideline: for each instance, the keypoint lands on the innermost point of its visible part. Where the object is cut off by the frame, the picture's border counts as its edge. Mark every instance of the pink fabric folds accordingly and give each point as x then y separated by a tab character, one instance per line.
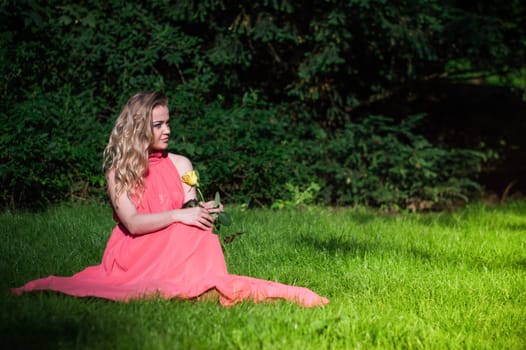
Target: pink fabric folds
179	261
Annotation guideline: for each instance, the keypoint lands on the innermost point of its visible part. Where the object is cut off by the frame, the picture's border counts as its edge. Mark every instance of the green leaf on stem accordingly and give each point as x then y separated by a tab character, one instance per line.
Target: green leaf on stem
224	219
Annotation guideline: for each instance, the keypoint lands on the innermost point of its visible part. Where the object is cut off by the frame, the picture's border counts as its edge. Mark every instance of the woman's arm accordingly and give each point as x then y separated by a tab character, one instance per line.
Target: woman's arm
183	165
138	224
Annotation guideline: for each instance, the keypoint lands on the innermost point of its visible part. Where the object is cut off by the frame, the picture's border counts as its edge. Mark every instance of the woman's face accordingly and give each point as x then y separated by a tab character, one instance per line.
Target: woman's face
161	128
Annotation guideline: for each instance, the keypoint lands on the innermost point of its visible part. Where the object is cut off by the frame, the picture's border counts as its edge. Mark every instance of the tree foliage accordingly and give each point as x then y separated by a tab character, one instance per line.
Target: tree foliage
67	68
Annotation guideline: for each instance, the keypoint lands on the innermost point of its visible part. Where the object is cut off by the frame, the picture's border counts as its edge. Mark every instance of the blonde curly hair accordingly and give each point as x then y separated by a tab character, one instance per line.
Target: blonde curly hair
129	143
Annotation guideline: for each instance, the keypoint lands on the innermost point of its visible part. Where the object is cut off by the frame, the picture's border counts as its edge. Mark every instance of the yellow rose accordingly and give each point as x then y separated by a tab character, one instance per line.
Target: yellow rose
190	178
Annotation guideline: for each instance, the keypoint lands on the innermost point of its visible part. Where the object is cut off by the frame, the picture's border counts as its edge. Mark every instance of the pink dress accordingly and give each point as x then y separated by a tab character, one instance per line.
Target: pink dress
179	261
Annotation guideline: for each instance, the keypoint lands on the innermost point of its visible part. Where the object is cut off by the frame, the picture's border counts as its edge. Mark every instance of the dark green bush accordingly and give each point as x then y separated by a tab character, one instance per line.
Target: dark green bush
258	154
254	153
377	162
245	151
67	68
51	148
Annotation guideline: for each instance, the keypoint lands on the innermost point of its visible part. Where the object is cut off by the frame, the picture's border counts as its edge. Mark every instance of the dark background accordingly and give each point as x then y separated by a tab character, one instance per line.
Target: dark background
467	114
269	97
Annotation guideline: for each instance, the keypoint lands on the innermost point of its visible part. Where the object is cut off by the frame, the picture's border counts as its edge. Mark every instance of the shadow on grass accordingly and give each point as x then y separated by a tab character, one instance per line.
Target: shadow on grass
338	245
517	227
48	320
361	215
30	333
478	211
356	248
351	247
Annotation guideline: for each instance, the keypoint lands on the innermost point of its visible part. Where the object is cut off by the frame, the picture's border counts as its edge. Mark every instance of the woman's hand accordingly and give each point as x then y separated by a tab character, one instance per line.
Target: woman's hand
210	206
198	216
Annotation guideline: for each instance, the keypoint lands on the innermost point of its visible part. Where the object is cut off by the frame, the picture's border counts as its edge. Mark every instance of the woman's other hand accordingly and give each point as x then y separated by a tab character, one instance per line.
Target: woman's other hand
210	206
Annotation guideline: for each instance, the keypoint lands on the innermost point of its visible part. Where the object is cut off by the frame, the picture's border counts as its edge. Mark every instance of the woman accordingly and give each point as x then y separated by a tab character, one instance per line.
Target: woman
158	247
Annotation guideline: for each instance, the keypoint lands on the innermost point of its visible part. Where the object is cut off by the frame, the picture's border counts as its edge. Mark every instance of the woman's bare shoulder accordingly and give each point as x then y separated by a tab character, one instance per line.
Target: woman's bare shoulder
182	163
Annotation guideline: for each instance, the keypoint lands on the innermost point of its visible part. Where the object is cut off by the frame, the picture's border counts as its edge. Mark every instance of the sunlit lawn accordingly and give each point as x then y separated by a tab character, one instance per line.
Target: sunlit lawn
436	281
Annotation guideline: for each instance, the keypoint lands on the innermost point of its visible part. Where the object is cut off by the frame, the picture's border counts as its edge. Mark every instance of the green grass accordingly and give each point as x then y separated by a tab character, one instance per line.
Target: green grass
407	281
